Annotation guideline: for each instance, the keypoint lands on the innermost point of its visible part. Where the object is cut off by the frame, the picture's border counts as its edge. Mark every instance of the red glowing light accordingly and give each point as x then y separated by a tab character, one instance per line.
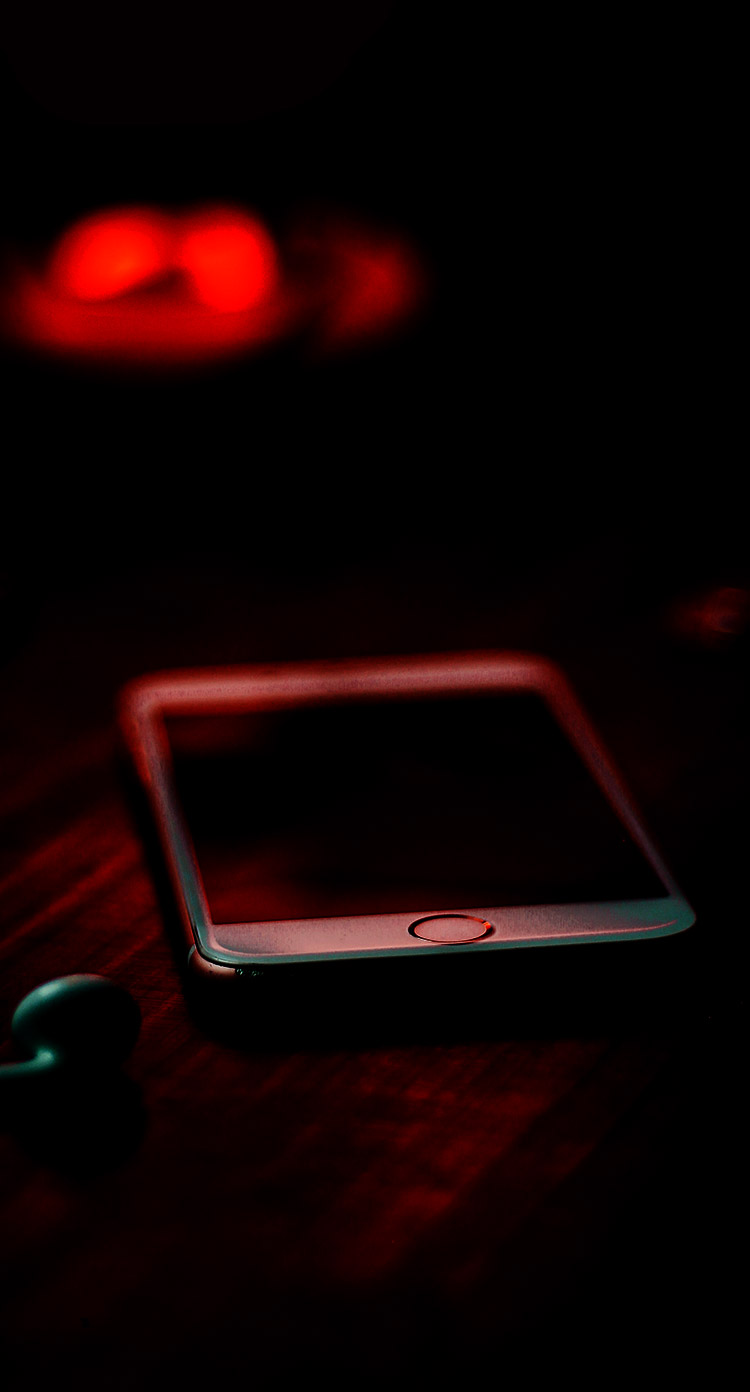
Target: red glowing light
109	253
230	259
135	285
158	329
379	283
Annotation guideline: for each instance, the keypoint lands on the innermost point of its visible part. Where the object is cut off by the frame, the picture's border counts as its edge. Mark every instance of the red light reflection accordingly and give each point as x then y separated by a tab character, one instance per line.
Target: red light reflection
137	285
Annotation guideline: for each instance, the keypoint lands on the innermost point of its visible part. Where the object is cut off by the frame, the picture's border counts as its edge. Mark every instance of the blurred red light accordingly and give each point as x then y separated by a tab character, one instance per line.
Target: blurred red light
138	285
109	253
230	259
378	284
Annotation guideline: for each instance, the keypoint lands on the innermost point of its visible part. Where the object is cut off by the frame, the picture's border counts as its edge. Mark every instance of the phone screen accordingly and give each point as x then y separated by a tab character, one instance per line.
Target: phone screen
398	805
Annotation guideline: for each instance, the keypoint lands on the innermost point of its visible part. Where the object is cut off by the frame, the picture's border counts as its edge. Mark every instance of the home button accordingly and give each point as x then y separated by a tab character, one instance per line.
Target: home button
451	928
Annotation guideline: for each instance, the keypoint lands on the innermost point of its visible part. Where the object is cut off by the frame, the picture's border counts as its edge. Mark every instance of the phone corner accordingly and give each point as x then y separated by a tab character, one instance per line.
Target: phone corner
201	970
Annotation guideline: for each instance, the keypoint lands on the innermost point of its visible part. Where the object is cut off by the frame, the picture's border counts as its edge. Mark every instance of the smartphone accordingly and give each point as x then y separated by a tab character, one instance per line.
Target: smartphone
410	806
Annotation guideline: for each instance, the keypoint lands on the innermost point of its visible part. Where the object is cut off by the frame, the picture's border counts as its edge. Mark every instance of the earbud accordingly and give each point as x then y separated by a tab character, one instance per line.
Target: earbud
73	1027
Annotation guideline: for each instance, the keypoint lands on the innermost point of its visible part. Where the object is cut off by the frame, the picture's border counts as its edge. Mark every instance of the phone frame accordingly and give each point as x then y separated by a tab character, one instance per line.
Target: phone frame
216	950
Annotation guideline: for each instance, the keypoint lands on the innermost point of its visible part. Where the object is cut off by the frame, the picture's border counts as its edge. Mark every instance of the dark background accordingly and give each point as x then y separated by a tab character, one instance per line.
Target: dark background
570	185
548	459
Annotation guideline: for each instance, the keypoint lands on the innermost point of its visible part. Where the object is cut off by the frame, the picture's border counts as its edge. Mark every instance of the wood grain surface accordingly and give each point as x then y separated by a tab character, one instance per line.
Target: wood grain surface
390	1177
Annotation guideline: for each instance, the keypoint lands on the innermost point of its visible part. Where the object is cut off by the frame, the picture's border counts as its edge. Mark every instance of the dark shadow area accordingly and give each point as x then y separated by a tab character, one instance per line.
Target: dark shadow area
80	1124
540	993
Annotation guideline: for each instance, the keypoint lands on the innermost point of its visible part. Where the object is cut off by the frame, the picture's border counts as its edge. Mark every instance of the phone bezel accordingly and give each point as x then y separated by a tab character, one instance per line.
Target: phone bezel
220	948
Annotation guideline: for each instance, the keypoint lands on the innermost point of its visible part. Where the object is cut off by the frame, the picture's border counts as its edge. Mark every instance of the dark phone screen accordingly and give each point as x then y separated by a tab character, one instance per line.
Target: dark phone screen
400	805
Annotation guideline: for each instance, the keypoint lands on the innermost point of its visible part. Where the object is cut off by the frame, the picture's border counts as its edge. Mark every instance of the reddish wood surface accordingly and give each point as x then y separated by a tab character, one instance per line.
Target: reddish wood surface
541	1182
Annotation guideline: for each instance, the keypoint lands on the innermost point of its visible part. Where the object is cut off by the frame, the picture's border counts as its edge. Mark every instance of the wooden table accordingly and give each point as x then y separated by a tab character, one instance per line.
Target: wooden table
382	1179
